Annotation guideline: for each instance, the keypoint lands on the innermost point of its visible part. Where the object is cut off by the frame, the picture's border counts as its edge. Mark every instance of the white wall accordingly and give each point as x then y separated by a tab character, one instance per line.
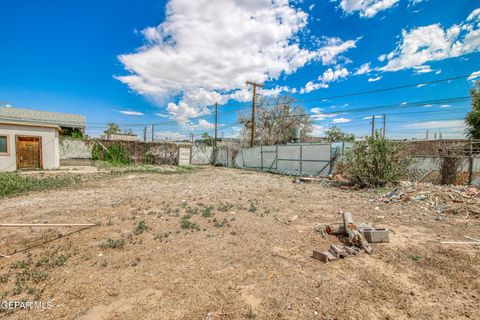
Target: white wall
50	145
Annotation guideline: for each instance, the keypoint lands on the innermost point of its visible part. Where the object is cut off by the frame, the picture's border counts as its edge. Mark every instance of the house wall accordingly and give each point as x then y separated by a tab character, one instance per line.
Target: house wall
50	145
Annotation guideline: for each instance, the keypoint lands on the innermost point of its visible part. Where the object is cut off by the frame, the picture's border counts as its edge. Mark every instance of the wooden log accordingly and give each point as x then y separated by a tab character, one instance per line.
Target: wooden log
353	234
338	229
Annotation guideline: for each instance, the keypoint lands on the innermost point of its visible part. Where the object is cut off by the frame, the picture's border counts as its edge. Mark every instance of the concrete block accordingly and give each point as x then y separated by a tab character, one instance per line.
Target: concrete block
323	256
376	235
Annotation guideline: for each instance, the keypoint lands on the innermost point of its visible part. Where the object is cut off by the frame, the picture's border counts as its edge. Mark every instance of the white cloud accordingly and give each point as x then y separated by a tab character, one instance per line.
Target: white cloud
370	117
421	85
474	75
318	130
423	69
456	124
431	43
311	86
332	49
274	91
445	106
181	112
341	120
131	113
162	115
375	79
364	68
318	115
205	50
366	8
328	76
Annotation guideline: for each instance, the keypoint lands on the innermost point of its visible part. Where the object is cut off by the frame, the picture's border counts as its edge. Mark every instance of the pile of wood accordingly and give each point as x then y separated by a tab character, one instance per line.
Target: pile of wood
355	244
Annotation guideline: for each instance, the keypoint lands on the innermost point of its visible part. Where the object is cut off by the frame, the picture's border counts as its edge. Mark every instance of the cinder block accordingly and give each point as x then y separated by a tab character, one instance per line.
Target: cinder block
376	235
323	256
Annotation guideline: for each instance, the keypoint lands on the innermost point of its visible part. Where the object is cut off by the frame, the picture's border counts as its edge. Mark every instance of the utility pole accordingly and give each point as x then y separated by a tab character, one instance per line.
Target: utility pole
373	125
384	125
426	135
254	87
153	134
216	125
145	134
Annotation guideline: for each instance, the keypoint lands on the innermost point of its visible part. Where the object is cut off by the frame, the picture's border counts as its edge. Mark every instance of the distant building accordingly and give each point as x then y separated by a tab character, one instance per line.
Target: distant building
121	137
29	139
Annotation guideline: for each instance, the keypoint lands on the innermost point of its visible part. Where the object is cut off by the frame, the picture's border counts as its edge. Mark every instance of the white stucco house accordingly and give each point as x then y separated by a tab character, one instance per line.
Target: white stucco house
29	139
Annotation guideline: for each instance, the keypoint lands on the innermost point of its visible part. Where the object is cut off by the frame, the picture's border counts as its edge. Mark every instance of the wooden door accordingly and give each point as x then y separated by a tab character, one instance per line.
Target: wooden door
29	152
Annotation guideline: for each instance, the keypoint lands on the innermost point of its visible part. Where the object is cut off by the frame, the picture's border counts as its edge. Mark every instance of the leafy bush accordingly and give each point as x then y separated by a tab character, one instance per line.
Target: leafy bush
115	154
375	162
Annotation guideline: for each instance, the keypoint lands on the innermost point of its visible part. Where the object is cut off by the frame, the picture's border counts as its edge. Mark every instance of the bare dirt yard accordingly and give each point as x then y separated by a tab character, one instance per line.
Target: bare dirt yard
220	243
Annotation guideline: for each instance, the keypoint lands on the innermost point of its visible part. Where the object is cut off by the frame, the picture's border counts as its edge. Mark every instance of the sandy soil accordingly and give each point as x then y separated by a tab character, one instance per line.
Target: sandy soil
246	261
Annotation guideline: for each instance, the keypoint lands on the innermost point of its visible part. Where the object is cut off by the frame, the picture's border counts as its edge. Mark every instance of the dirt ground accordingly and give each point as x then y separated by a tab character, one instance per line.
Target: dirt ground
241	259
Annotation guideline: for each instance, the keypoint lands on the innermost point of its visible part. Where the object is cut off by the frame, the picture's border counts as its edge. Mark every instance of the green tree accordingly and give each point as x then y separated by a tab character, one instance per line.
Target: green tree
206	139
473	117
335	134
112	128
375	162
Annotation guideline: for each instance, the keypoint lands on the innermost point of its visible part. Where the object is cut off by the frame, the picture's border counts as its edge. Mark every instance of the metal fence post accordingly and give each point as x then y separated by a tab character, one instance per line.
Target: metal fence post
470	164
301	158
261	157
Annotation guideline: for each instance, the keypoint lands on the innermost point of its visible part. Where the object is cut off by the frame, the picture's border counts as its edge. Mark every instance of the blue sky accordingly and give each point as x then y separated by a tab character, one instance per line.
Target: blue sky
167	62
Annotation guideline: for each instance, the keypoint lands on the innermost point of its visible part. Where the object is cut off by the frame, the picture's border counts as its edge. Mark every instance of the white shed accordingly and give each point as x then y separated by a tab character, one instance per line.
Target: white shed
29	139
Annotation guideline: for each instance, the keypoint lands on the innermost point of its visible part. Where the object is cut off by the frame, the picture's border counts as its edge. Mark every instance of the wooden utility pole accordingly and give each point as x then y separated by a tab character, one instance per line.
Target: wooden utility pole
153	134
145	134
254	87
426	135
216	125
384	125
373	125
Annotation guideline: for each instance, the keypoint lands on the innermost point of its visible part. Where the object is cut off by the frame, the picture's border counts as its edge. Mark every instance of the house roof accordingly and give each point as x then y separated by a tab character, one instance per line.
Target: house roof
20	115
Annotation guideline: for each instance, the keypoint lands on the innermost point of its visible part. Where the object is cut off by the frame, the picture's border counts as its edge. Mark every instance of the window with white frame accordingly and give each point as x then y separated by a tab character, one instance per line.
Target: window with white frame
4	145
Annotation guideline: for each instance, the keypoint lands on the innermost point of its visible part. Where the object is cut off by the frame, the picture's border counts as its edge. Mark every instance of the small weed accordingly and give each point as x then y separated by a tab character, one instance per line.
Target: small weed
220	224
224	207
207	212
141	227
191	211
233	233
185	223
113	244
22	264
60	261
4	278
253	207
416	258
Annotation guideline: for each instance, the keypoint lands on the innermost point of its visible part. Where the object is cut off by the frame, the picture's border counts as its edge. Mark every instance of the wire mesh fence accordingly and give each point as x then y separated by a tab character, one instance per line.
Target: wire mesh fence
445	161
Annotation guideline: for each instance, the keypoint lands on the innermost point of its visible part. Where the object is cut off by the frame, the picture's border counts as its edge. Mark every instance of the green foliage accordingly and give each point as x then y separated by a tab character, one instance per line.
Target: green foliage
113	244
114	154
112	128
14	184
141	227
473	117
207	212
335	134
185	223
375	162
206	139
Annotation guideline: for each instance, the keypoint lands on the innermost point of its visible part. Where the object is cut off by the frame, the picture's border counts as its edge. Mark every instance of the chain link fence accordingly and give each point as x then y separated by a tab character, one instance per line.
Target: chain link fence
445	161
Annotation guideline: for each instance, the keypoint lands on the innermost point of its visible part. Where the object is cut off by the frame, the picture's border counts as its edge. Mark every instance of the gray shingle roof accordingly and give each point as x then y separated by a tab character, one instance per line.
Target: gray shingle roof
42	117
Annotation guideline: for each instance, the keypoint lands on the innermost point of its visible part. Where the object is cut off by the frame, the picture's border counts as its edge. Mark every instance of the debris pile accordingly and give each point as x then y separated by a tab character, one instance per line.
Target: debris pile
442	199
357	238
